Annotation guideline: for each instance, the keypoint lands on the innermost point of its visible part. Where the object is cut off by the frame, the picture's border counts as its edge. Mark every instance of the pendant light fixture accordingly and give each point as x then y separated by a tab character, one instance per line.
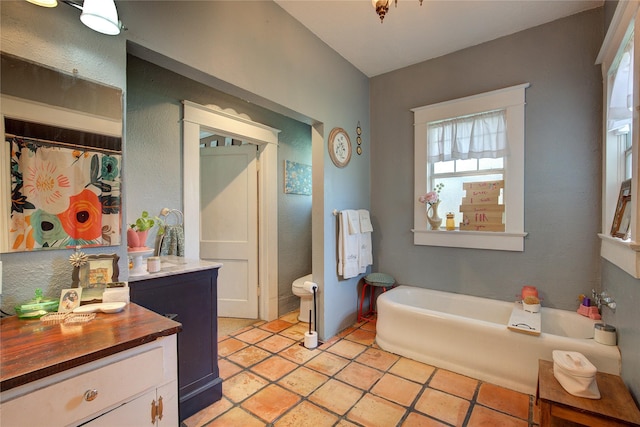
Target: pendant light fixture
101	16
44	3
382	7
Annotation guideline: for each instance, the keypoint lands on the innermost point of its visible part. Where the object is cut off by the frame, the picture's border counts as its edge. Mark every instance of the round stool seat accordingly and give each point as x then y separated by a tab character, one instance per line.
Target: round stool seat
373	281
379	279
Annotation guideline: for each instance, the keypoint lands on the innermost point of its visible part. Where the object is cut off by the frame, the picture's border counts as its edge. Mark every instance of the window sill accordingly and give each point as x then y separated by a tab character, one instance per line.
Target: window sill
623	253
497	241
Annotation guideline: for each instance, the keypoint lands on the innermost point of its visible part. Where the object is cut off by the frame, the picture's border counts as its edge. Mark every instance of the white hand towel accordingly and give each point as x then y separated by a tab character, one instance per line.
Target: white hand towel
354	221
365	255
365	221
348	249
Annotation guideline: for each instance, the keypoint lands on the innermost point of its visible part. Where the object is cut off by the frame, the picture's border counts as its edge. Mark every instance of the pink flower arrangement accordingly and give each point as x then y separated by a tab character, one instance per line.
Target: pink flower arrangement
431	197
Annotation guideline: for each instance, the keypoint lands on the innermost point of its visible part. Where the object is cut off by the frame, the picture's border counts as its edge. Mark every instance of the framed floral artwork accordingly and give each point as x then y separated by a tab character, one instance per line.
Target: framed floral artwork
94	271
63	194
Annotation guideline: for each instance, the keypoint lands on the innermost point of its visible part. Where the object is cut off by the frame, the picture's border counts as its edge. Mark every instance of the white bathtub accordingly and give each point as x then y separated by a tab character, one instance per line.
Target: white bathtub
469	335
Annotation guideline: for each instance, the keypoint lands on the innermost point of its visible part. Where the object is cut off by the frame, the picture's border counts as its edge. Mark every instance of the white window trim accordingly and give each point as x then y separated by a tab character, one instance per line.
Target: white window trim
512	239
623	253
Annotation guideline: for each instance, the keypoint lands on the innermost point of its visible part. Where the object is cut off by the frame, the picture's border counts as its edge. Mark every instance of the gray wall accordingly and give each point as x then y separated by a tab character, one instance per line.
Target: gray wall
154	146
562	163
562	174
273	62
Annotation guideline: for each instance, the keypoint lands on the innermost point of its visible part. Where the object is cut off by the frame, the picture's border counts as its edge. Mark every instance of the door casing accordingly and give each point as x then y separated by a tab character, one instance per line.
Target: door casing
197	116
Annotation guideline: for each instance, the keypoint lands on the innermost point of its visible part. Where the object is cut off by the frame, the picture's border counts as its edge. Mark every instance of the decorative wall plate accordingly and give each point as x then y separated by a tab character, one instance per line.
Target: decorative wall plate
339	147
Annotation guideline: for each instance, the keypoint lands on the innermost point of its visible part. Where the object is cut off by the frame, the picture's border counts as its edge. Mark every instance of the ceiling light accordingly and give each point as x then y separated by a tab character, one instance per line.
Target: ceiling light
44	3
101	16
382	7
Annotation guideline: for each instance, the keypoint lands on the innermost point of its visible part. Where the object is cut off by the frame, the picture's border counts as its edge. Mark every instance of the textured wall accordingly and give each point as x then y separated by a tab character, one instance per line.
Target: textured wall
153	159
562	163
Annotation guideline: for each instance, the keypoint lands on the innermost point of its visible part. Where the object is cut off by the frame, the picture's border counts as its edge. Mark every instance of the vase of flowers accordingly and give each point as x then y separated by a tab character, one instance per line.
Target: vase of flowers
432	201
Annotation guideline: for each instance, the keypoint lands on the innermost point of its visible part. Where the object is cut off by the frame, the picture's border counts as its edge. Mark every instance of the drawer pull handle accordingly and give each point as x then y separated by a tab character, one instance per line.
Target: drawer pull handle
90	395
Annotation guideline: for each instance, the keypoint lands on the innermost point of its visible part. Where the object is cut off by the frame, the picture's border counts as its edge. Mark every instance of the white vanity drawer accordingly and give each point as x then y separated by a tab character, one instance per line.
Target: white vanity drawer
70	401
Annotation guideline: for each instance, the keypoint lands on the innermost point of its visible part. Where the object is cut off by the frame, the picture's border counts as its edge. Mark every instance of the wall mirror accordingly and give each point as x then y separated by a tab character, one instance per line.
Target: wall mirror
61	159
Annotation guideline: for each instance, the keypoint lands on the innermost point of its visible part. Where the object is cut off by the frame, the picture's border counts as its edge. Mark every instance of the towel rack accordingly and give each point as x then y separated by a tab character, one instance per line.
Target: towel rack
165	212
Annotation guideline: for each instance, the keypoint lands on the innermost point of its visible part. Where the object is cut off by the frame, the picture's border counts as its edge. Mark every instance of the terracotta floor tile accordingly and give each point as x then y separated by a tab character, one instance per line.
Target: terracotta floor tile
396	389
362	336
347	349
369	326
359	375
276	326
418	420
307	414
229	346
253	335
298	353
242	385
448	408
504	400
345	423
336	396
412	370
327	363
275	343
270	402
274	367
207	414
345	332
374	411
242	330
378	359
249	356
482	416
291	317
303	381
453	383
237	417
296	332
227	368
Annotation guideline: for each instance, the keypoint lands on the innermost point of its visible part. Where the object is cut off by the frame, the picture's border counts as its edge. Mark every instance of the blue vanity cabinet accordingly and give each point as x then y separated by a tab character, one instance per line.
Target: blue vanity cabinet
191	299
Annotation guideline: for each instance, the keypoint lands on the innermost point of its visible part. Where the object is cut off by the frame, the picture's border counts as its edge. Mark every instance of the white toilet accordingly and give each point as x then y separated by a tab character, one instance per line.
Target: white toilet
306	297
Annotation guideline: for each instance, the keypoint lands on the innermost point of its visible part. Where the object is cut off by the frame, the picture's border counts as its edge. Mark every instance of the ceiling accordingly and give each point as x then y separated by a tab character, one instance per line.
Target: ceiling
412	33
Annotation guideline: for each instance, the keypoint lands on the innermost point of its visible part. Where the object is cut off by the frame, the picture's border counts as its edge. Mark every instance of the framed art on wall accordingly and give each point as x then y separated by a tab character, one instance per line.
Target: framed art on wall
622	217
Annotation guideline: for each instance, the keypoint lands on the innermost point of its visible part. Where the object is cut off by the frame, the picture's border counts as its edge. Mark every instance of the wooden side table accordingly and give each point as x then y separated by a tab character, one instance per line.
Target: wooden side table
615	408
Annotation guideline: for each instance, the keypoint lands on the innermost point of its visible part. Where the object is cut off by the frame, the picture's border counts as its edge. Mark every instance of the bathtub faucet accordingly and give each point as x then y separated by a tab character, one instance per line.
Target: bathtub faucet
603	298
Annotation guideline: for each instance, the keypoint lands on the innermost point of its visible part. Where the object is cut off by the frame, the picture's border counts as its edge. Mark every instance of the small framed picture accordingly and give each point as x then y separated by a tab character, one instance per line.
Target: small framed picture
622	217
69	299
97	271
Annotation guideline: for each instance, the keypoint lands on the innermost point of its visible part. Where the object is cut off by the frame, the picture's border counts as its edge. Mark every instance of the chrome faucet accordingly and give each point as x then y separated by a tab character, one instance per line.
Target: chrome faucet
603	298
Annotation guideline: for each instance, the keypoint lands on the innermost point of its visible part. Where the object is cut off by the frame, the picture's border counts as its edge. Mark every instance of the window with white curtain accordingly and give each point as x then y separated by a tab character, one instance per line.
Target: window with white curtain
477	138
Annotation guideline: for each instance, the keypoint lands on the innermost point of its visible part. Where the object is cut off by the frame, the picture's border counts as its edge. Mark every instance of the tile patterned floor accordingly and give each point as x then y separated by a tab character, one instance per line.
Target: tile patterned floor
269	379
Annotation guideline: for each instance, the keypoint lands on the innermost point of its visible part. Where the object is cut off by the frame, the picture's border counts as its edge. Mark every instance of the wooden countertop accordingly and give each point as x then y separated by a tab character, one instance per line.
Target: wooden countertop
31	349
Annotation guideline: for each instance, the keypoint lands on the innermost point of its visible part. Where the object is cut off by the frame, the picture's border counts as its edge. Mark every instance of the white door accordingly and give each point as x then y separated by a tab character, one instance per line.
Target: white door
229	225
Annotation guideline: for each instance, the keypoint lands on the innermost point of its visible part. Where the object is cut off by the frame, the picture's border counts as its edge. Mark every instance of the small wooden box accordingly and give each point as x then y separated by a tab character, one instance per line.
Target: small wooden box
481	227
484	185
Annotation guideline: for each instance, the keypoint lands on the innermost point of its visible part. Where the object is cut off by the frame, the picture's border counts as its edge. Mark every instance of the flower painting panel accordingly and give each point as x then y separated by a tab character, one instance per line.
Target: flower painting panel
62	195
297	178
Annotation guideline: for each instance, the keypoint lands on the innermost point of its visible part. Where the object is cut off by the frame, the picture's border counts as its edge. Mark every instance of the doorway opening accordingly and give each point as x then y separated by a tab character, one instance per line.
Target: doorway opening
197	120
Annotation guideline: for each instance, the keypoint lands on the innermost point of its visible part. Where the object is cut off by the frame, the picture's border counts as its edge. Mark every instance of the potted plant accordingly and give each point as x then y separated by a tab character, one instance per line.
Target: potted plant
137	232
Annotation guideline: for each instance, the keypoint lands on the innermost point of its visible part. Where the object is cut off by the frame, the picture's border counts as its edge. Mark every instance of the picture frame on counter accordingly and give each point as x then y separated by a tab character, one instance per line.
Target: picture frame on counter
97	271
69	300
